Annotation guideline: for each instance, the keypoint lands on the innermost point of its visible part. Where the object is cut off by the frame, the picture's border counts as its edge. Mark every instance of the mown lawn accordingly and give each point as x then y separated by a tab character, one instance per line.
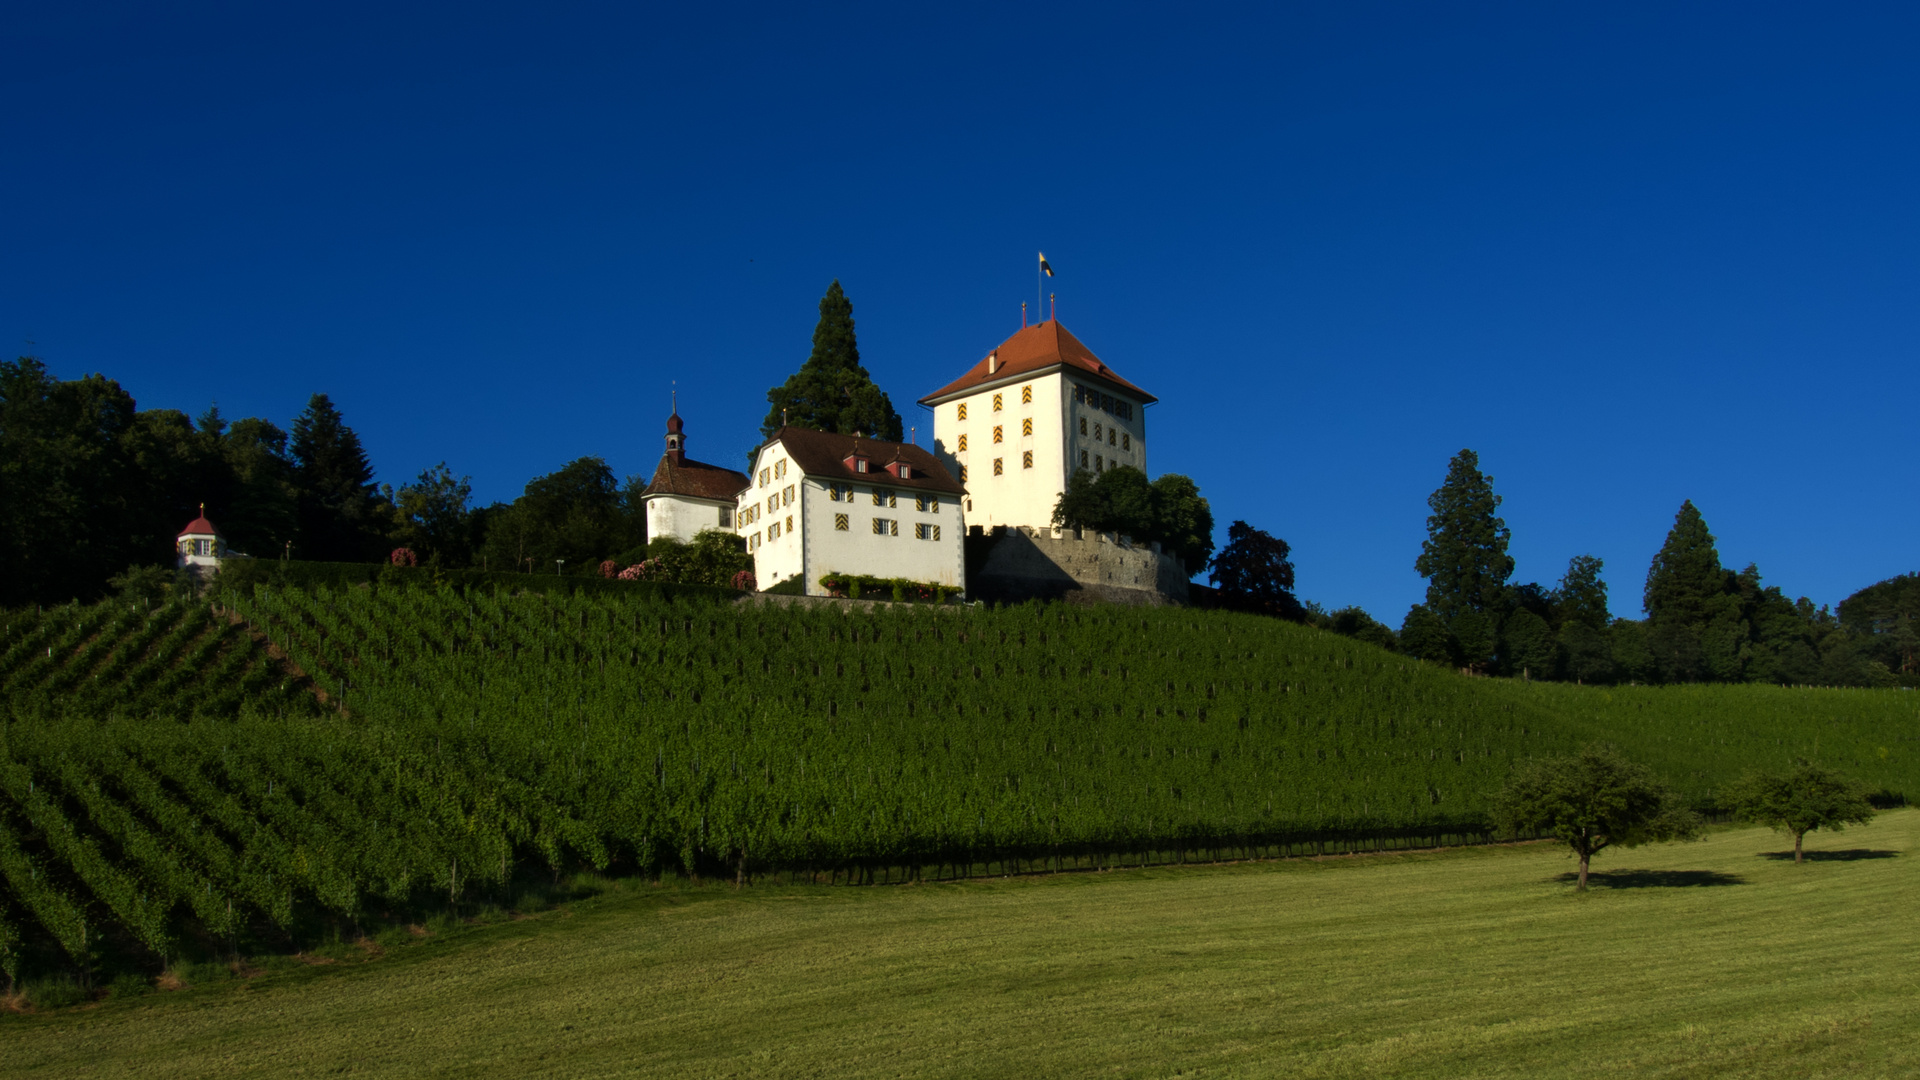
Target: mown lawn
1703	959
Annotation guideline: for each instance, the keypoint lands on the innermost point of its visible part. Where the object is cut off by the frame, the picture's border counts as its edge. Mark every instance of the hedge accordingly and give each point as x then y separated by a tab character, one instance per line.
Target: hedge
242	573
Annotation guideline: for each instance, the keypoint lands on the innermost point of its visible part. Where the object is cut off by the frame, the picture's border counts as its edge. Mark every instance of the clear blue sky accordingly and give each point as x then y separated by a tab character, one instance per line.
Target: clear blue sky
1631	254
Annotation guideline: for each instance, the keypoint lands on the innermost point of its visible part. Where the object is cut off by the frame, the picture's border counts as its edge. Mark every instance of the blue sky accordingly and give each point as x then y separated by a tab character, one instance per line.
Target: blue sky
1631	254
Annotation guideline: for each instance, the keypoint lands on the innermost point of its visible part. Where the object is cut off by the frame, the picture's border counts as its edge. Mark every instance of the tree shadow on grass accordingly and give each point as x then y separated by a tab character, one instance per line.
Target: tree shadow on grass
1654	879
1846	855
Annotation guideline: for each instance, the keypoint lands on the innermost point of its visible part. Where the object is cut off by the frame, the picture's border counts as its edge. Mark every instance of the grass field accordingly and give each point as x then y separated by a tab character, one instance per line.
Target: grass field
1703	959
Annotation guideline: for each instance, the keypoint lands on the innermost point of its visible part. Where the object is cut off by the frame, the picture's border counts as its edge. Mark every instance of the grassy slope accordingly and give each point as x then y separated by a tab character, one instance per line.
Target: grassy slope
1465	963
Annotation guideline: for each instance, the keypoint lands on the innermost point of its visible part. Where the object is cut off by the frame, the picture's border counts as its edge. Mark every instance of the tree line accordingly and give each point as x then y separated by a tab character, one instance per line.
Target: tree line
1705	622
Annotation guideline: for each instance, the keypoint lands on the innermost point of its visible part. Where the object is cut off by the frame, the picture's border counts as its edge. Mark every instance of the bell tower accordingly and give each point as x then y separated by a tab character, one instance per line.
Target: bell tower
676	439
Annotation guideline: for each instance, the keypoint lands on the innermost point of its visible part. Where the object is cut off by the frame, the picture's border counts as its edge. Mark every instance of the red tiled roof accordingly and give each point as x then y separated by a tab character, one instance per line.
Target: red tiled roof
1031	351
823	455
695	479
199	526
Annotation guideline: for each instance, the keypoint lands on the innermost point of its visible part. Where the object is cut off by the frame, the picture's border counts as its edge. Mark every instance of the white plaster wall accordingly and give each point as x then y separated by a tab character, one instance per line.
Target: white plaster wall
683	518
776	560
859	551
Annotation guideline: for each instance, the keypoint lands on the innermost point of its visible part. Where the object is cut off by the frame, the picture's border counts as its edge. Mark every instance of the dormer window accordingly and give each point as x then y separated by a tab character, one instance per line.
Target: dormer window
860	464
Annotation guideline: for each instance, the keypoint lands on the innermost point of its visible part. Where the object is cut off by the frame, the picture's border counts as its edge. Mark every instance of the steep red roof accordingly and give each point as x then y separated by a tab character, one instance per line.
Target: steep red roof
823	455
1033	350
199	526
695	479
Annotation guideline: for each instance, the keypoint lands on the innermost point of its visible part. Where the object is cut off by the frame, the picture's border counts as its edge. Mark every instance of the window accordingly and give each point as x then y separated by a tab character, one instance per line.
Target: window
963	444
1083	425
1083	459
1026	459
996	467
1099	464
885	497
859	464
839	523
963	410
886	527
726	518
773	501
1026	426
773	531
765	476
1096	433
996	403
787	495
1026	395
789	522
1110	434
926	532
1123	409
1126	441
833	492
780	469
753	541
996	433
920	503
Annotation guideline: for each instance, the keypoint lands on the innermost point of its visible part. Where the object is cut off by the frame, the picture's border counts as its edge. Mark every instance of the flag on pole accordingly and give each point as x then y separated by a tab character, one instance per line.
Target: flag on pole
1048	270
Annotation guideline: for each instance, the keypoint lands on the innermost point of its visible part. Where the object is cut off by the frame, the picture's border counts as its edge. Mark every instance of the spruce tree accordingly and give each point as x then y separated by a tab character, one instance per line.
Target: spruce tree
1686	582
340	515
1464	557
831	391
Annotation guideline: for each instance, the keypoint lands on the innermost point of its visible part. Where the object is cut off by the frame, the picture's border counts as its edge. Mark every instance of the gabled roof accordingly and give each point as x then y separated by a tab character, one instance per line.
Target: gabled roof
823	455
1035	349
695	479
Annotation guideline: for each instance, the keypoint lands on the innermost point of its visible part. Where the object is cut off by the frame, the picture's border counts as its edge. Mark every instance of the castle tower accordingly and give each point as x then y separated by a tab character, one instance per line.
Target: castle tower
1020	422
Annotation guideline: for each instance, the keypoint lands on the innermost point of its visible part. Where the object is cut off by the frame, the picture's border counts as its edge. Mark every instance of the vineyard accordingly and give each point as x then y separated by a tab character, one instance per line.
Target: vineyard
167	790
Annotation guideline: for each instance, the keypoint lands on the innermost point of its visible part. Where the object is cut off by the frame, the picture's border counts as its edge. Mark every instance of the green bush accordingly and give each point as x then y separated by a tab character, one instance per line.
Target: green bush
898	590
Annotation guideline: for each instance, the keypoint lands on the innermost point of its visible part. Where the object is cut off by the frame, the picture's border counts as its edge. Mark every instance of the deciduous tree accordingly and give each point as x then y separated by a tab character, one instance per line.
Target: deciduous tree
1255	570
1799	801
1592	802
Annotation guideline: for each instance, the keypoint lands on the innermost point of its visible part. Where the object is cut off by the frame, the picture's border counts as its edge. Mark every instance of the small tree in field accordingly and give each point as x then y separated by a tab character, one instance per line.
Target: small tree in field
1594	801
1798	802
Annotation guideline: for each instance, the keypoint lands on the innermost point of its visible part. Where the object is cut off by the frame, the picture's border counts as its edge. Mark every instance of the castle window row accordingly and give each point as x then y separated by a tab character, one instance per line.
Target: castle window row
1106	403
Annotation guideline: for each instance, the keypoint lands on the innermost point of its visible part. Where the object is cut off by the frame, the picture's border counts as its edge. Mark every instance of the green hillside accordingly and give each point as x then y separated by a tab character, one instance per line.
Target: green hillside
476	742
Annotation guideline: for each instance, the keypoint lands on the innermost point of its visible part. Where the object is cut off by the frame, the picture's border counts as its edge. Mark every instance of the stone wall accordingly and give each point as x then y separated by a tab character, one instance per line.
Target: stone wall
1011	565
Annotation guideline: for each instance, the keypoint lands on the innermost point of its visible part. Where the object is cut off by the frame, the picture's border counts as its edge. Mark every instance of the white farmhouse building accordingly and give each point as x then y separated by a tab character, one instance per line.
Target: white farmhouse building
845	504
1017	426
688	497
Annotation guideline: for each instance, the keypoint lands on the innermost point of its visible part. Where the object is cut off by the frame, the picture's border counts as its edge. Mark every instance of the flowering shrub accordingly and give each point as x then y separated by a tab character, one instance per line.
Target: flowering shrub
648	570
744	581
608	568
404	556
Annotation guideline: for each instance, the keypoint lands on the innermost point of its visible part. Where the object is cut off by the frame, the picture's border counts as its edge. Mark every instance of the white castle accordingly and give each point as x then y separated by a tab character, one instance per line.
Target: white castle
1007	436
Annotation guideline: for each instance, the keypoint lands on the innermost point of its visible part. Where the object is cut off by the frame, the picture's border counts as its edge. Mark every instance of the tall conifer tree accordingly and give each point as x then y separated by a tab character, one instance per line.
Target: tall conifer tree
831	391
1686	578
340	519
1464	557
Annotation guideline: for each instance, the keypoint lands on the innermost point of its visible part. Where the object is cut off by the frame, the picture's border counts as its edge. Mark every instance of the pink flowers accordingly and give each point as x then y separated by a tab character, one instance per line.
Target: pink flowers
404	556
650	570
609	568
744	581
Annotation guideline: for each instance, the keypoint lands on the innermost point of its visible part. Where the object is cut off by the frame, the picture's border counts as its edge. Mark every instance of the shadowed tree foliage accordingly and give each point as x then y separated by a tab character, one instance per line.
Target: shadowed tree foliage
1886	616
1465	560
578	515
1169	510
1254	570
1592	802
831	391
1799	801
342	518
432	517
